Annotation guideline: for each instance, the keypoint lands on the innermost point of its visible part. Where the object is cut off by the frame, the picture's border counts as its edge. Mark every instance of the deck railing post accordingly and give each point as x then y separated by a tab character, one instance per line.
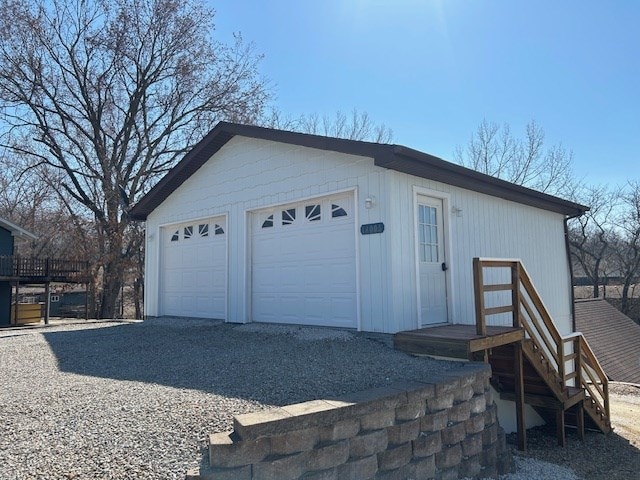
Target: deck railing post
515	294
478	291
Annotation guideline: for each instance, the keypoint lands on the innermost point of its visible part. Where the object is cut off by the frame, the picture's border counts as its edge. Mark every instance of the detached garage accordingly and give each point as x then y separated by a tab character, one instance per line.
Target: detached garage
263	225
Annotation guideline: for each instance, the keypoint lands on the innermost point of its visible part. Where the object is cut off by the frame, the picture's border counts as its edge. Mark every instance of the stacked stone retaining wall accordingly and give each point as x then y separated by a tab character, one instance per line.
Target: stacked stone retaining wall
445	428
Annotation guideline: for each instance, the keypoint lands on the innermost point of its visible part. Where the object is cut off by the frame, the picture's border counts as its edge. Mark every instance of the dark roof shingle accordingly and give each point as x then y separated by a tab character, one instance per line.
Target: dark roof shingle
613	337
394	157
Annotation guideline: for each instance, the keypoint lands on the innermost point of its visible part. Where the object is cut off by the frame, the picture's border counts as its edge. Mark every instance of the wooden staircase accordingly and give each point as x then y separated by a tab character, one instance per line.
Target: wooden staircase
553	373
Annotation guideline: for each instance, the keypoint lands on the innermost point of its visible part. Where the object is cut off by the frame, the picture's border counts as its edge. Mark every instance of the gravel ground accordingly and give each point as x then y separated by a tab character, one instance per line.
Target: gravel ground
599	457
137	400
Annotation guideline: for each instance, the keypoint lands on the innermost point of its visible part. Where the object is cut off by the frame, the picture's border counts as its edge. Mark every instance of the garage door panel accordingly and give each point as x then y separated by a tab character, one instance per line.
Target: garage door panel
304	272
193	272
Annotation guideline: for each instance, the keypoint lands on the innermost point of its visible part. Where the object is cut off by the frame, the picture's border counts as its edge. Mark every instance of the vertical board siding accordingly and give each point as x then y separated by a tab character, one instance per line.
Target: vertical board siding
487	227
247	174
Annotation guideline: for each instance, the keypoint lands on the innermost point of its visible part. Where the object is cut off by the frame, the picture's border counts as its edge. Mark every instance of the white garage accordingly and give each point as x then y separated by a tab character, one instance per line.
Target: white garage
194	269
303	263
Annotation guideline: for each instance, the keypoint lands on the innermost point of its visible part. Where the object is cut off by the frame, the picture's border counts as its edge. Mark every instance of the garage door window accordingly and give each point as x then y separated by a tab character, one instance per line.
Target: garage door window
219	230
313	213
337	211
188	232
176	236
203	230
288	216
268	223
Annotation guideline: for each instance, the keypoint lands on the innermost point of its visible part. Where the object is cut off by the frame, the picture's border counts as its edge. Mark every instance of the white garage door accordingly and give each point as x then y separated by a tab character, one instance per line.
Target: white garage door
304	263
193	269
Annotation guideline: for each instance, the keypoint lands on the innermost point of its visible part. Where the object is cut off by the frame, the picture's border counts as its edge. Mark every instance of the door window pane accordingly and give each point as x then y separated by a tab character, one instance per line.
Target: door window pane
428	233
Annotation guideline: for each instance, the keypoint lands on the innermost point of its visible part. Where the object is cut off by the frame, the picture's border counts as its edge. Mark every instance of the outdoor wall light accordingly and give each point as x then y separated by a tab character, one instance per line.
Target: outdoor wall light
369	201
457	211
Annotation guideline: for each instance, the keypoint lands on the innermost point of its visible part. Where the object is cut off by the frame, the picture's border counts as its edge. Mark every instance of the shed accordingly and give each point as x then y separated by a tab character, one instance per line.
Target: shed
263	225
8	232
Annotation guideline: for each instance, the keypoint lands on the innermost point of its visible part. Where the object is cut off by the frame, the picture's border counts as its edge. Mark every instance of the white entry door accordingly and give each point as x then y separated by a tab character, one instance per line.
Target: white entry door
303	263
432	258
193	271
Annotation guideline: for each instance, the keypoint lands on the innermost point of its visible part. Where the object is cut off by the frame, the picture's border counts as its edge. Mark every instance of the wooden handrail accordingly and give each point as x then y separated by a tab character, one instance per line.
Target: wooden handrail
584	369
43	268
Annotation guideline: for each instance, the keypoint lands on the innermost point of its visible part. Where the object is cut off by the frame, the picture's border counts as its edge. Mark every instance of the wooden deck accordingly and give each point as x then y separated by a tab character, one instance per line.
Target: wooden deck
455	341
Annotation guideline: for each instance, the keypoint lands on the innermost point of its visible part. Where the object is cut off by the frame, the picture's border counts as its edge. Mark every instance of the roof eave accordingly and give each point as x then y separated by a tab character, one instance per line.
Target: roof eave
17	231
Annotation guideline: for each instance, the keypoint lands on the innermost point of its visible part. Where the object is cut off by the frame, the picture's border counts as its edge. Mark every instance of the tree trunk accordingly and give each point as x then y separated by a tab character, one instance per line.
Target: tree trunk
137	297
111	287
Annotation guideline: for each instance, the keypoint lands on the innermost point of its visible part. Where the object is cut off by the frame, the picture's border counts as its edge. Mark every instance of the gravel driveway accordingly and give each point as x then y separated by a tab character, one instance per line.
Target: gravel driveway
137	400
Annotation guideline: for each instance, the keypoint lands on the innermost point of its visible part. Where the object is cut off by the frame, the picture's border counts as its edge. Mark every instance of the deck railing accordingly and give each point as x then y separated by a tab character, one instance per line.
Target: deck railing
569	356
44	269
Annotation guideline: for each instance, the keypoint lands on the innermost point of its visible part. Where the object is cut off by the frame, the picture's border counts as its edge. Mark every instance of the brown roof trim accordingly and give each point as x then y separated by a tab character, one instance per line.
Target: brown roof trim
394	157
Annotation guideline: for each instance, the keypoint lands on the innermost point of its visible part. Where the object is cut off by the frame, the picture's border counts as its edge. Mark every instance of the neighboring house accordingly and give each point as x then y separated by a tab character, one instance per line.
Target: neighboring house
8	232
263	225
614	338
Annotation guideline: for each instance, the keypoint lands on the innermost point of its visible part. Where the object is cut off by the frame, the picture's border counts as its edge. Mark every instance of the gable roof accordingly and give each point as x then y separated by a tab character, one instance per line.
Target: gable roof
16	230
394	157
613	337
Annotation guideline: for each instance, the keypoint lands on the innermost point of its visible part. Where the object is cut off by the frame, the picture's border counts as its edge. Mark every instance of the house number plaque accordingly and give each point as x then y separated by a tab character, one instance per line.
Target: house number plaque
371	228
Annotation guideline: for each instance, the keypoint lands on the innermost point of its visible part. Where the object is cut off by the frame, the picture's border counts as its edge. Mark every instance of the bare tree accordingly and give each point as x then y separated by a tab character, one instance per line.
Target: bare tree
626	250
591	235
355	126
104	96
494	150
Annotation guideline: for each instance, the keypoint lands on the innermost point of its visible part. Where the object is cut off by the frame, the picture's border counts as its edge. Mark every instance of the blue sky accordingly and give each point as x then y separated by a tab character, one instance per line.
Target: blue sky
433	70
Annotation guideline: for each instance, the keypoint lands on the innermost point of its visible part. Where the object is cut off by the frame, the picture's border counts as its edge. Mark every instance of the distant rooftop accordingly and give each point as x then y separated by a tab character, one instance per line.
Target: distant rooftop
613	337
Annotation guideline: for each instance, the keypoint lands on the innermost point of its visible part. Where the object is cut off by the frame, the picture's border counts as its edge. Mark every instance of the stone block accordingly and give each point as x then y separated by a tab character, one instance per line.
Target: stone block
453	434
295	441
395	457
413	409
479	386
403	432
488	397
489	472
440	402
360	469
463	394
448	474
290	467
448	457
505	463
329	474
371	401
377	420
238	473
325	457
250	426
472	445
416	390
475	424
488	456
489	435
434	422
460	412
405	472
478	404
447	382
427	444
225	452
340	430
470	467
367	444
501	441
491	415
425	467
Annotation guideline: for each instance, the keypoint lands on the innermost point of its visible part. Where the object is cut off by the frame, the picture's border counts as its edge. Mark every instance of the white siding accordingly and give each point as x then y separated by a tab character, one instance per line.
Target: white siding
247	174
486	227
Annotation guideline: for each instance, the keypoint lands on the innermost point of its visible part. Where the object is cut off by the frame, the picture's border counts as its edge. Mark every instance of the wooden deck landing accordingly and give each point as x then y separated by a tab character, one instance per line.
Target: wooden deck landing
454	341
